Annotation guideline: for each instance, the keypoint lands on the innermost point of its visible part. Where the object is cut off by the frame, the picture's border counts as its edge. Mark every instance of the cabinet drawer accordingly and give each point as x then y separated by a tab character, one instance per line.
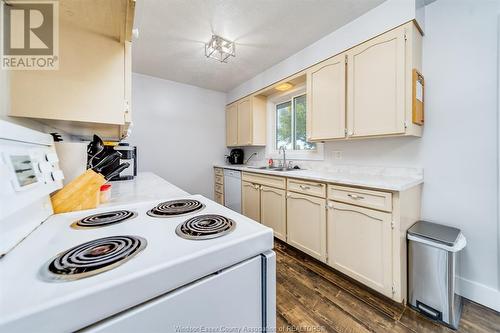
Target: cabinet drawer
307	187
219	179
219	172
219	188
360	197
219	198
273	181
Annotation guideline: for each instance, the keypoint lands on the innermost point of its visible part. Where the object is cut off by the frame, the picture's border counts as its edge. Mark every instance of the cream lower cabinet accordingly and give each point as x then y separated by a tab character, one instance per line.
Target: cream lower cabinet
306	224
273	210
219	186
360	232
360	245
250	200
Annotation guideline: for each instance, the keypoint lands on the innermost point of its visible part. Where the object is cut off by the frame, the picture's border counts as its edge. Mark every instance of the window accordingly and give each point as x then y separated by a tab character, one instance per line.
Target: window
291	125
286	127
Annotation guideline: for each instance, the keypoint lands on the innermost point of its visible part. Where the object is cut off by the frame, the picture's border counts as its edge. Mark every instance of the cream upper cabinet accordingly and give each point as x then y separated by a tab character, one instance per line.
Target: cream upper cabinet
366	91
360	245
306	224
250	200
376	86
273	210
246	122
326	88
232	125
90	92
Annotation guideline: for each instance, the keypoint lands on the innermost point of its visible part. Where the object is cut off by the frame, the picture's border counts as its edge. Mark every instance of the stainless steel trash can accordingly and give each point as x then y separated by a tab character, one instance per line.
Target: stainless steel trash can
432	264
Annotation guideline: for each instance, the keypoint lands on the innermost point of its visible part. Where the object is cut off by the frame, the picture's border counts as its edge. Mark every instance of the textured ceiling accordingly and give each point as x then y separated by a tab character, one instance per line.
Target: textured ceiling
172	34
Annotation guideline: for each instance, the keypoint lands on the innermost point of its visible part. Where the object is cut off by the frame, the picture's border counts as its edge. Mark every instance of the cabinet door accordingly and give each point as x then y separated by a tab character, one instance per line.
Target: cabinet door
245	124
360	245
273	210
375	86
250	200
306	224
232	125
326	100
219	198
89	85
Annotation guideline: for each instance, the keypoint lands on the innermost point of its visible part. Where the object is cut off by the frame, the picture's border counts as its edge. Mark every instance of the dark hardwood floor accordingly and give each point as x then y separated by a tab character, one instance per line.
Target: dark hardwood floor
311	297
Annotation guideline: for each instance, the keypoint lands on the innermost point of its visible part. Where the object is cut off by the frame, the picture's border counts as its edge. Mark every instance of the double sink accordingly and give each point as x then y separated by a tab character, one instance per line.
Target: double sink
271	168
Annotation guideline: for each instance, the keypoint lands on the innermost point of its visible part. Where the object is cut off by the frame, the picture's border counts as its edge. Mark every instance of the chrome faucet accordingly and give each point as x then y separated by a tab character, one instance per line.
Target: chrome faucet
248	159
284	155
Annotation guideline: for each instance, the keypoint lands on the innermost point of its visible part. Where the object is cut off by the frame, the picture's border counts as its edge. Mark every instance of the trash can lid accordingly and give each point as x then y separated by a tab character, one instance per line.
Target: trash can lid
435	232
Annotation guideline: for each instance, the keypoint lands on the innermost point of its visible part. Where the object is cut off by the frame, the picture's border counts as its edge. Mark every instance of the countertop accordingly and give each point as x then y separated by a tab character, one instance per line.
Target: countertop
391	179
145	187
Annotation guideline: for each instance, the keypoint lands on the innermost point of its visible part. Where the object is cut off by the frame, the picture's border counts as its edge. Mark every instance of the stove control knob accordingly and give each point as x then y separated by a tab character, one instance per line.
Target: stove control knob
47	178
51	157
45	167
57	175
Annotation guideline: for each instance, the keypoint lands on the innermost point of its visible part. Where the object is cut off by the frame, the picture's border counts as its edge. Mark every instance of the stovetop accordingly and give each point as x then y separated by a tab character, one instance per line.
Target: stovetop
163	261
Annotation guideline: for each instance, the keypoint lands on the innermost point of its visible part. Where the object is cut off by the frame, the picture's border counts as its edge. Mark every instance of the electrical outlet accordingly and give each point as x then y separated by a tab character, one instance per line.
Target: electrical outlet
337	154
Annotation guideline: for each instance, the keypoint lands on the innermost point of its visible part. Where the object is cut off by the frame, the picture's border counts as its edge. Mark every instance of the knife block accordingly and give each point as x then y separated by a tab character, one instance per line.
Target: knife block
81	193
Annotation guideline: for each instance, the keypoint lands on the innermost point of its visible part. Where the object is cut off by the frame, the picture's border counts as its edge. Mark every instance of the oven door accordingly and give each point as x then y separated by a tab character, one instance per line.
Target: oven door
242	296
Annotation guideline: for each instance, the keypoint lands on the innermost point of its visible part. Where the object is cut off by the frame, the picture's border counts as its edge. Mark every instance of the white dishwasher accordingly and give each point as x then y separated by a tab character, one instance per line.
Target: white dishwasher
232	190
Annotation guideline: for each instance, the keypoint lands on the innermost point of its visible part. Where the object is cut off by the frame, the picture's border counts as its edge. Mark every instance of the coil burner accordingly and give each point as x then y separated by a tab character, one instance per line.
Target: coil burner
103	219
205	227
176	208
94	257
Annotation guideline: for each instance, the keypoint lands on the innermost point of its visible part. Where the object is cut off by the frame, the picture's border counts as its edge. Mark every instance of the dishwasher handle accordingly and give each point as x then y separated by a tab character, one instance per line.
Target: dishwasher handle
232	173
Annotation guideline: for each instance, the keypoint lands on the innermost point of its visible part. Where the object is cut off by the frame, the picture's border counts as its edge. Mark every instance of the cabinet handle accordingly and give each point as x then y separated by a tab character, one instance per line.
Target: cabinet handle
307	185
358	212
303	197
355	196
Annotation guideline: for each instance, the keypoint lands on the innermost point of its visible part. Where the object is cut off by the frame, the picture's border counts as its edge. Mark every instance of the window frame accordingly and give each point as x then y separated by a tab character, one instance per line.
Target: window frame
275	137
271	150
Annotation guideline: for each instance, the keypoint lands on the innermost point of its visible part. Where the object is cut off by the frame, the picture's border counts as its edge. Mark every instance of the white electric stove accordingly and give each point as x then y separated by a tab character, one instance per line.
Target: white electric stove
175	264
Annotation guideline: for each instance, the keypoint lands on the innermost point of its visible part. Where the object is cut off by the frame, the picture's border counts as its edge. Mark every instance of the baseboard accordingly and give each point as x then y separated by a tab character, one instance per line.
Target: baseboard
479	293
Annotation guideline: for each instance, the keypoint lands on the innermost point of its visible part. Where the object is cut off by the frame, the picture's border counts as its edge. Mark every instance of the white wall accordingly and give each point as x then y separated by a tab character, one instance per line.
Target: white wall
459	148
179	130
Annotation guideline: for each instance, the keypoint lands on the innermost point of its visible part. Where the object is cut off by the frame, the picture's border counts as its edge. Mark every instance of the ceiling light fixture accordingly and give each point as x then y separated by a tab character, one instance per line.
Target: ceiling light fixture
284	86
219	48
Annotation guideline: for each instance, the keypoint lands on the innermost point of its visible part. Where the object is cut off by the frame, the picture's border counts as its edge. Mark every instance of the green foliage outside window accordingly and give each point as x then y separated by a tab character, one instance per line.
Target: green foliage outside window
291	125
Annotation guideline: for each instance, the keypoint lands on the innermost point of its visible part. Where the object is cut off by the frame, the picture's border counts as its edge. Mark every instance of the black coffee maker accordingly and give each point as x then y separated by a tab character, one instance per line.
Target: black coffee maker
235	156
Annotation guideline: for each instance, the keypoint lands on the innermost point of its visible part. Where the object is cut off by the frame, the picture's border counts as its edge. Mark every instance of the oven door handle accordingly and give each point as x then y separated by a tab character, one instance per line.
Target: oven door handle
268	276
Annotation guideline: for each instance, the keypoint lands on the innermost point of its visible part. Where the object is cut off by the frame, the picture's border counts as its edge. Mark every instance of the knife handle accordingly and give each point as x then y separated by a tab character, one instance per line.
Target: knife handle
117	171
